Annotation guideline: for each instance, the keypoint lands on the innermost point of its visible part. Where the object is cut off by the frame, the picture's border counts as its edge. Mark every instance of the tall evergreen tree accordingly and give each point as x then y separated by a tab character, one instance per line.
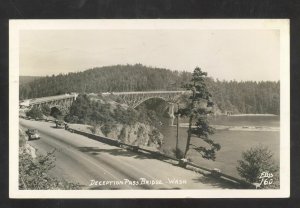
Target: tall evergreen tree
197	108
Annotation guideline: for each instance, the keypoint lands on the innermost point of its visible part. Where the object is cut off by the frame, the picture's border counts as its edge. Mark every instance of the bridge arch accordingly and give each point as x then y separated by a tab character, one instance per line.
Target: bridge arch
58	103
169	107
149	98
134	99
56	111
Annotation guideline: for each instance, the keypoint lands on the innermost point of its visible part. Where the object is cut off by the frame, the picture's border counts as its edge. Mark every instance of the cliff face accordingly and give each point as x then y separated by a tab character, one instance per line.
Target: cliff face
138	134
141	134
112	118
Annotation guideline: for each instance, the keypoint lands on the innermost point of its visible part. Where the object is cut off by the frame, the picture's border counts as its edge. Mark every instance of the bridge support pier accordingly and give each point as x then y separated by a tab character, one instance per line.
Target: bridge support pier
171	112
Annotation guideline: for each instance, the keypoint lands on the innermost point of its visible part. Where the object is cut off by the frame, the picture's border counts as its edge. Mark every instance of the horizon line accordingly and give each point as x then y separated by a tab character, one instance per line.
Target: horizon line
153	67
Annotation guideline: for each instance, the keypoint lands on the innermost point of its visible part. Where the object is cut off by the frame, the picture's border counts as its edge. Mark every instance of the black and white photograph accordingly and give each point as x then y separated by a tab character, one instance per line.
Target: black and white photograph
149	108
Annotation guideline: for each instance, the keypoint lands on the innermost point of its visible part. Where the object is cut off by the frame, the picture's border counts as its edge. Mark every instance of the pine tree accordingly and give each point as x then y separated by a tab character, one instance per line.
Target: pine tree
197	108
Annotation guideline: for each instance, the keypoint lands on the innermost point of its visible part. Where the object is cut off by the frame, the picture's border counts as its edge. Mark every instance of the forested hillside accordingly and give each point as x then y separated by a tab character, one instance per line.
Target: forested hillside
106	79
246	97
27	79
239	97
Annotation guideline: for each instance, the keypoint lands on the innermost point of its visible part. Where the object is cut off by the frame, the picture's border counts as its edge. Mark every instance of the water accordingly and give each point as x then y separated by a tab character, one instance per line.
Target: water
271	121
233	143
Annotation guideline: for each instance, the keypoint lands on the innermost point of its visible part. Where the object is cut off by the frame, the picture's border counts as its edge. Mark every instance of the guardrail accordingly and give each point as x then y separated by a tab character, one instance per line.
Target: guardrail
95	137
223	176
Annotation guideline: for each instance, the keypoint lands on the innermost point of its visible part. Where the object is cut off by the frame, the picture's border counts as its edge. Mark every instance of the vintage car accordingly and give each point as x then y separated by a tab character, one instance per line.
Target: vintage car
32	134
59	124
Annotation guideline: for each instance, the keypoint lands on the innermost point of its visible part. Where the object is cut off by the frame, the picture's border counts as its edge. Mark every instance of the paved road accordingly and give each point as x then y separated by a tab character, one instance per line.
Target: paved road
80	159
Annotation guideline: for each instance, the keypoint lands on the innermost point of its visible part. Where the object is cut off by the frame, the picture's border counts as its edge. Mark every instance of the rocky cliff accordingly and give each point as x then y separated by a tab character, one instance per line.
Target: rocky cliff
137	134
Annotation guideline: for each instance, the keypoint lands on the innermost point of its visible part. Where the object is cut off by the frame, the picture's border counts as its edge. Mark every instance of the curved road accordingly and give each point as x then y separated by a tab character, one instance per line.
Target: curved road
84	161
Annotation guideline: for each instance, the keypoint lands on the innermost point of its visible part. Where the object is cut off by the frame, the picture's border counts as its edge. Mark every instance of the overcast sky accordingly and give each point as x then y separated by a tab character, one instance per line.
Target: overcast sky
224	54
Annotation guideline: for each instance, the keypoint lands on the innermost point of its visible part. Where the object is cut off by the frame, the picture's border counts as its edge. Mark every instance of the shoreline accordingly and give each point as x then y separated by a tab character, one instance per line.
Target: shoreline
253	114
237	128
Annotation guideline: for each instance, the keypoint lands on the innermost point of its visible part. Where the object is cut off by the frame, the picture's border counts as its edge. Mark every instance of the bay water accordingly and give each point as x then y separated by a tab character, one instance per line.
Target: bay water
235	134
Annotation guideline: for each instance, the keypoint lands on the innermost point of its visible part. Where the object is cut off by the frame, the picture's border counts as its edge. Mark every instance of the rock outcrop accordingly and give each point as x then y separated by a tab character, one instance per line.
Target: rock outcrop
138	134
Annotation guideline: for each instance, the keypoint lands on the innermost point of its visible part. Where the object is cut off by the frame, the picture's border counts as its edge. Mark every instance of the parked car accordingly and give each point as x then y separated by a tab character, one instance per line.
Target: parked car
33	134
59	124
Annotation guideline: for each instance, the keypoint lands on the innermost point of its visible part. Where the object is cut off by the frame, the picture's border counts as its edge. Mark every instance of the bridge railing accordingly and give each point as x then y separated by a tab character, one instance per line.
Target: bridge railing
143	92
41	100
158	155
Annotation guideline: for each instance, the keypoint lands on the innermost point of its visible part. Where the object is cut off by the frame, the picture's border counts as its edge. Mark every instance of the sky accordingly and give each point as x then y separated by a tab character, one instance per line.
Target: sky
223	54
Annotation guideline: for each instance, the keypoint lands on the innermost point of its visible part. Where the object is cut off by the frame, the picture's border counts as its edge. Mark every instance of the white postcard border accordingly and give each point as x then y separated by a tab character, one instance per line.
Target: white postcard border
15	26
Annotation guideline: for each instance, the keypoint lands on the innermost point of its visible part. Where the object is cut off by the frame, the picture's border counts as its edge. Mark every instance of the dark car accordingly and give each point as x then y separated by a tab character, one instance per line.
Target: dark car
59	124
32	134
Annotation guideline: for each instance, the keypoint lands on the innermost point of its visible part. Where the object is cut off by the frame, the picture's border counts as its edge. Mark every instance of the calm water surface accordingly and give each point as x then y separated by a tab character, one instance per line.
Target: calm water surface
233	143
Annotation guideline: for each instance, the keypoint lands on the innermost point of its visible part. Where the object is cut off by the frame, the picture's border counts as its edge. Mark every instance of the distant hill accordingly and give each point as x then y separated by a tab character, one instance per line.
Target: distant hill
238	97
27	79
106	79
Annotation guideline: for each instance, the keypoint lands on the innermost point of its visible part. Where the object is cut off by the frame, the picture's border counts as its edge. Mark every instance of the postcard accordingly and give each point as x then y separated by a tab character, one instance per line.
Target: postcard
185	108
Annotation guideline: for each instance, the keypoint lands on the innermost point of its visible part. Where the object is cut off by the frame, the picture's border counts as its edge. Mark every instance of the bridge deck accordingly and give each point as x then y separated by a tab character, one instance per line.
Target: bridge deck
143	92
35	101
48	99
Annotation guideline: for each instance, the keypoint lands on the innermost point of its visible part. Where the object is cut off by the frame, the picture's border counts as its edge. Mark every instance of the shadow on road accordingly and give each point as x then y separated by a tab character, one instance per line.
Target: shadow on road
54	127
125	152
115	152
216	182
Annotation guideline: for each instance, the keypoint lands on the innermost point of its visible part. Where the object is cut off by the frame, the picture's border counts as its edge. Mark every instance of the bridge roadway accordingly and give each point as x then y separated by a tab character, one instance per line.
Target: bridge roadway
80	160
144	92
134	99
41	100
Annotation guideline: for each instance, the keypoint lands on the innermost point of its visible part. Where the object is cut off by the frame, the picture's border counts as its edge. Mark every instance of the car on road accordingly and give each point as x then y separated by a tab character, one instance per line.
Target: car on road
33	134
59	124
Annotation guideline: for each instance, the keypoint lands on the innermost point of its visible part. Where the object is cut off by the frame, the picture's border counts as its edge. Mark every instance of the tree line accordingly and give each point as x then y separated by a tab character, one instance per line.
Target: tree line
246	96
238	97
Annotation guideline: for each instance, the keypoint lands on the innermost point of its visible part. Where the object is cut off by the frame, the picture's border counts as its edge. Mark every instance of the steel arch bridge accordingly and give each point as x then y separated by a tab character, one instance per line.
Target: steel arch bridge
134	99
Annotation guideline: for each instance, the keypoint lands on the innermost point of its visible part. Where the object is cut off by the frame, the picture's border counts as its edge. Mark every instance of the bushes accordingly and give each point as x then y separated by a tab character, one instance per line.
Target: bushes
155	137
122	135
71	119
34	113
125	116
179	154
255	162
34	173
46	110
107	128
22	137
87	111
